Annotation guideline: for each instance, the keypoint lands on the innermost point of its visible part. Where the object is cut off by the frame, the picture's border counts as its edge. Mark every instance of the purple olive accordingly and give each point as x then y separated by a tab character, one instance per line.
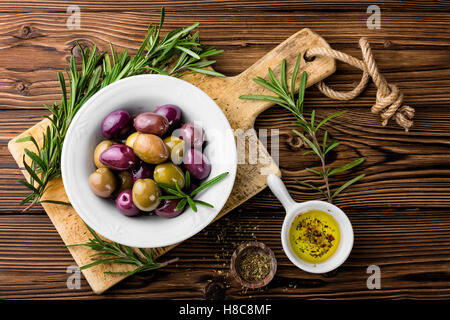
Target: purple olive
168	208
124	202
191	188
142	171
119	157
192	134
117	124
172	113
151	123
197	164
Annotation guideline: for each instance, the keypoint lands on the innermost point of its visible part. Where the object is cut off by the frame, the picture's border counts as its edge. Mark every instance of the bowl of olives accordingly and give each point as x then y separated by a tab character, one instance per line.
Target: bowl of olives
137	145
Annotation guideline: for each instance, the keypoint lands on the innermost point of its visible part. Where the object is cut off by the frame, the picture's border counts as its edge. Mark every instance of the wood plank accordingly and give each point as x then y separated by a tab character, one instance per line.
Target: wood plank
34	82
219	5
399	211
397	173
241	114
410	246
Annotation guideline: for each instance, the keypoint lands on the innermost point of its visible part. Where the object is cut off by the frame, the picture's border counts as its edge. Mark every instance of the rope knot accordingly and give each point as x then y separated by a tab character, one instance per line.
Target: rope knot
389	99
390	105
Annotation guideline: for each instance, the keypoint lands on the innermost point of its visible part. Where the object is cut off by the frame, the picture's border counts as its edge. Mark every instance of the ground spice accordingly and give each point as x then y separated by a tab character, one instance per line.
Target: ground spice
254	266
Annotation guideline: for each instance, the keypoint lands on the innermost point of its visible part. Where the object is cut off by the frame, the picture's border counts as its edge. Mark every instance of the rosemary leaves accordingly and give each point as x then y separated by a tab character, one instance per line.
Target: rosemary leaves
175	54
294	103
113	253
186	197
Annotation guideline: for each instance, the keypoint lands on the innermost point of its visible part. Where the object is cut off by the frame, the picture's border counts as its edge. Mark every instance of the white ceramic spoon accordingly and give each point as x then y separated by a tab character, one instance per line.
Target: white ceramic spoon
294	209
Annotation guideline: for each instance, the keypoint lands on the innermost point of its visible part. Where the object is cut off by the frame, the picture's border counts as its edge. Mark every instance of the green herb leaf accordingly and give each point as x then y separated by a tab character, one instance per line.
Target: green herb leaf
177	193
312	187
32	173
262	82
321	123
314	171
187	178
179	189
264	98
28	138
274	80
283	76
42	165
203	203
207	72
301	92
209	183
166	186
333	145
348	166
96	71
112	253
324	141
286	99
181	204
191	203
57	202
189	52
294	75
29	186
347	184
169	197
170	190
313	146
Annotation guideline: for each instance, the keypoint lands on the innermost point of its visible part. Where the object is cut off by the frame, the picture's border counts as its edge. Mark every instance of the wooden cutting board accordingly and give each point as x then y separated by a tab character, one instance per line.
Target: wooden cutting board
250	178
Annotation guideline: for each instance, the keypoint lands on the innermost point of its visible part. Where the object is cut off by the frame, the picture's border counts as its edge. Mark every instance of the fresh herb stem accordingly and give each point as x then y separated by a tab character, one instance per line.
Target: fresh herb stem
177	193
157	54
324	167
287	99
113	253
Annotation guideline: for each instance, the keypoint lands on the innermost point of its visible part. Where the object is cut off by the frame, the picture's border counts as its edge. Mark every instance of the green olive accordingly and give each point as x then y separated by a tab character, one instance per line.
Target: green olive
175	146
170	174
131	138
125	181
102	146
150	148
172	141
146	194
102	182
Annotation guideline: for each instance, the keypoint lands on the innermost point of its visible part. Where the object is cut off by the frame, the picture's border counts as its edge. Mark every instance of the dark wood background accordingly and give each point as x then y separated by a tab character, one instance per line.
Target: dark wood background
400	211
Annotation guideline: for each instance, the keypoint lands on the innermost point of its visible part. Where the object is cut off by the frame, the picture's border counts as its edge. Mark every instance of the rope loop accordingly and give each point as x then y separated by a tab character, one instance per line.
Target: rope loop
389	99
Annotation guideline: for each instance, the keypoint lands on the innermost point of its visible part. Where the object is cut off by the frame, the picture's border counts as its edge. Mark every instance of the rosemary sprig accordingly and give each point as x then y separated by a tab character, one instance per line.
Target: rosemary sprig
113	253
191	53
97	70
287	99
188	198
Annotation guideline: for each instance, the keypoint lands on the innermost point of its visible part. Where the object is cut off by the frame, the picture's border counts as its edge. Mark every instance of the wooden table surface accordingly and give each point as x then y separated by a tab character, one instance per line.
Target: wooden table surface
399	211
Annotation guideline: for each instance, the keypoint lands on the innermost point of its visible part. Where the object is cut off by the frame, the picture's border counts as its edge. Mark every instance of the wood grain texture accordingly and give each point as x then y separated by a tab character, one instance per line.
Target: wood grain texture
411	248
33	82
216	5
241	114
399	211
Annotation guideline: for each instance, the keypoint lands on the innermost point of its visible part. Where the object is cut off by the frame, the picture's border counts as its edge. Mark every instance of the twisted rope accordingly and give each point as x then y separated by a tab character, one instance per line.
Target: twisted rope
389	100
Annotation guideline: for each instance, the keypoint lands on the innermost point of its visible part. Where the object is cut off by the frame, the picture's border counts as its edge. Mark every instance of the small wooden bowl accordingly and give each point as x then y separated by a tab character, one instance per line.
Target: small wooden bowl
241	251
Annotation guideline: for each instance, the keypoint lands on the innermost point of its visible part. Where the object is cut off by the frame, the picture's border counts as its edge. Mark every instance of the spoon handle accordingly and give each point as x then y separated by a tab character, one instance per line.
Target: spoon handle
279	190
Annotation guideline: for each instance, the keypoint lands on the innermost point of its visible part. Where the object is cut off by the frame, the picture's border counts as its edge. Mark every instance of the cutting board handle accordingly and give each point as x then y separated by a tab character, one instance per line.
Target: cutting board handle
300	42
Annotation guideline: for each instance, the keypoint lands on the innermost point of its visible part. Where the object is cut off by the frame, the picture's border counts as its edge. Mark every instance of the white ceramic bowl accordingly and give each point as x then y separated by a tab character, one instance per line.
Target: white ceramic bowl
139	94
293	209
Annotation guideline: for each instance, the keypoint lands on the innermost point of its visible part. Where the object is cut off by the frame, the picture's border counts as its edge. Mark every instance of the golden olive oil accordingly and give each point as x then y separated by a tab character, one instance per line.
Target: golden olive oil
314	236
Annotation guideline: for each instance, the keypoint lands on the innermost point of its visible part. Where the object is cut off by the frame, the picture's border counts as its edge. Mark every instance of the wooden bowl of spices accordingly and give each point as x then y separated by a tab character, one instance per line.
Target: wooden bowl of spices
253	264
